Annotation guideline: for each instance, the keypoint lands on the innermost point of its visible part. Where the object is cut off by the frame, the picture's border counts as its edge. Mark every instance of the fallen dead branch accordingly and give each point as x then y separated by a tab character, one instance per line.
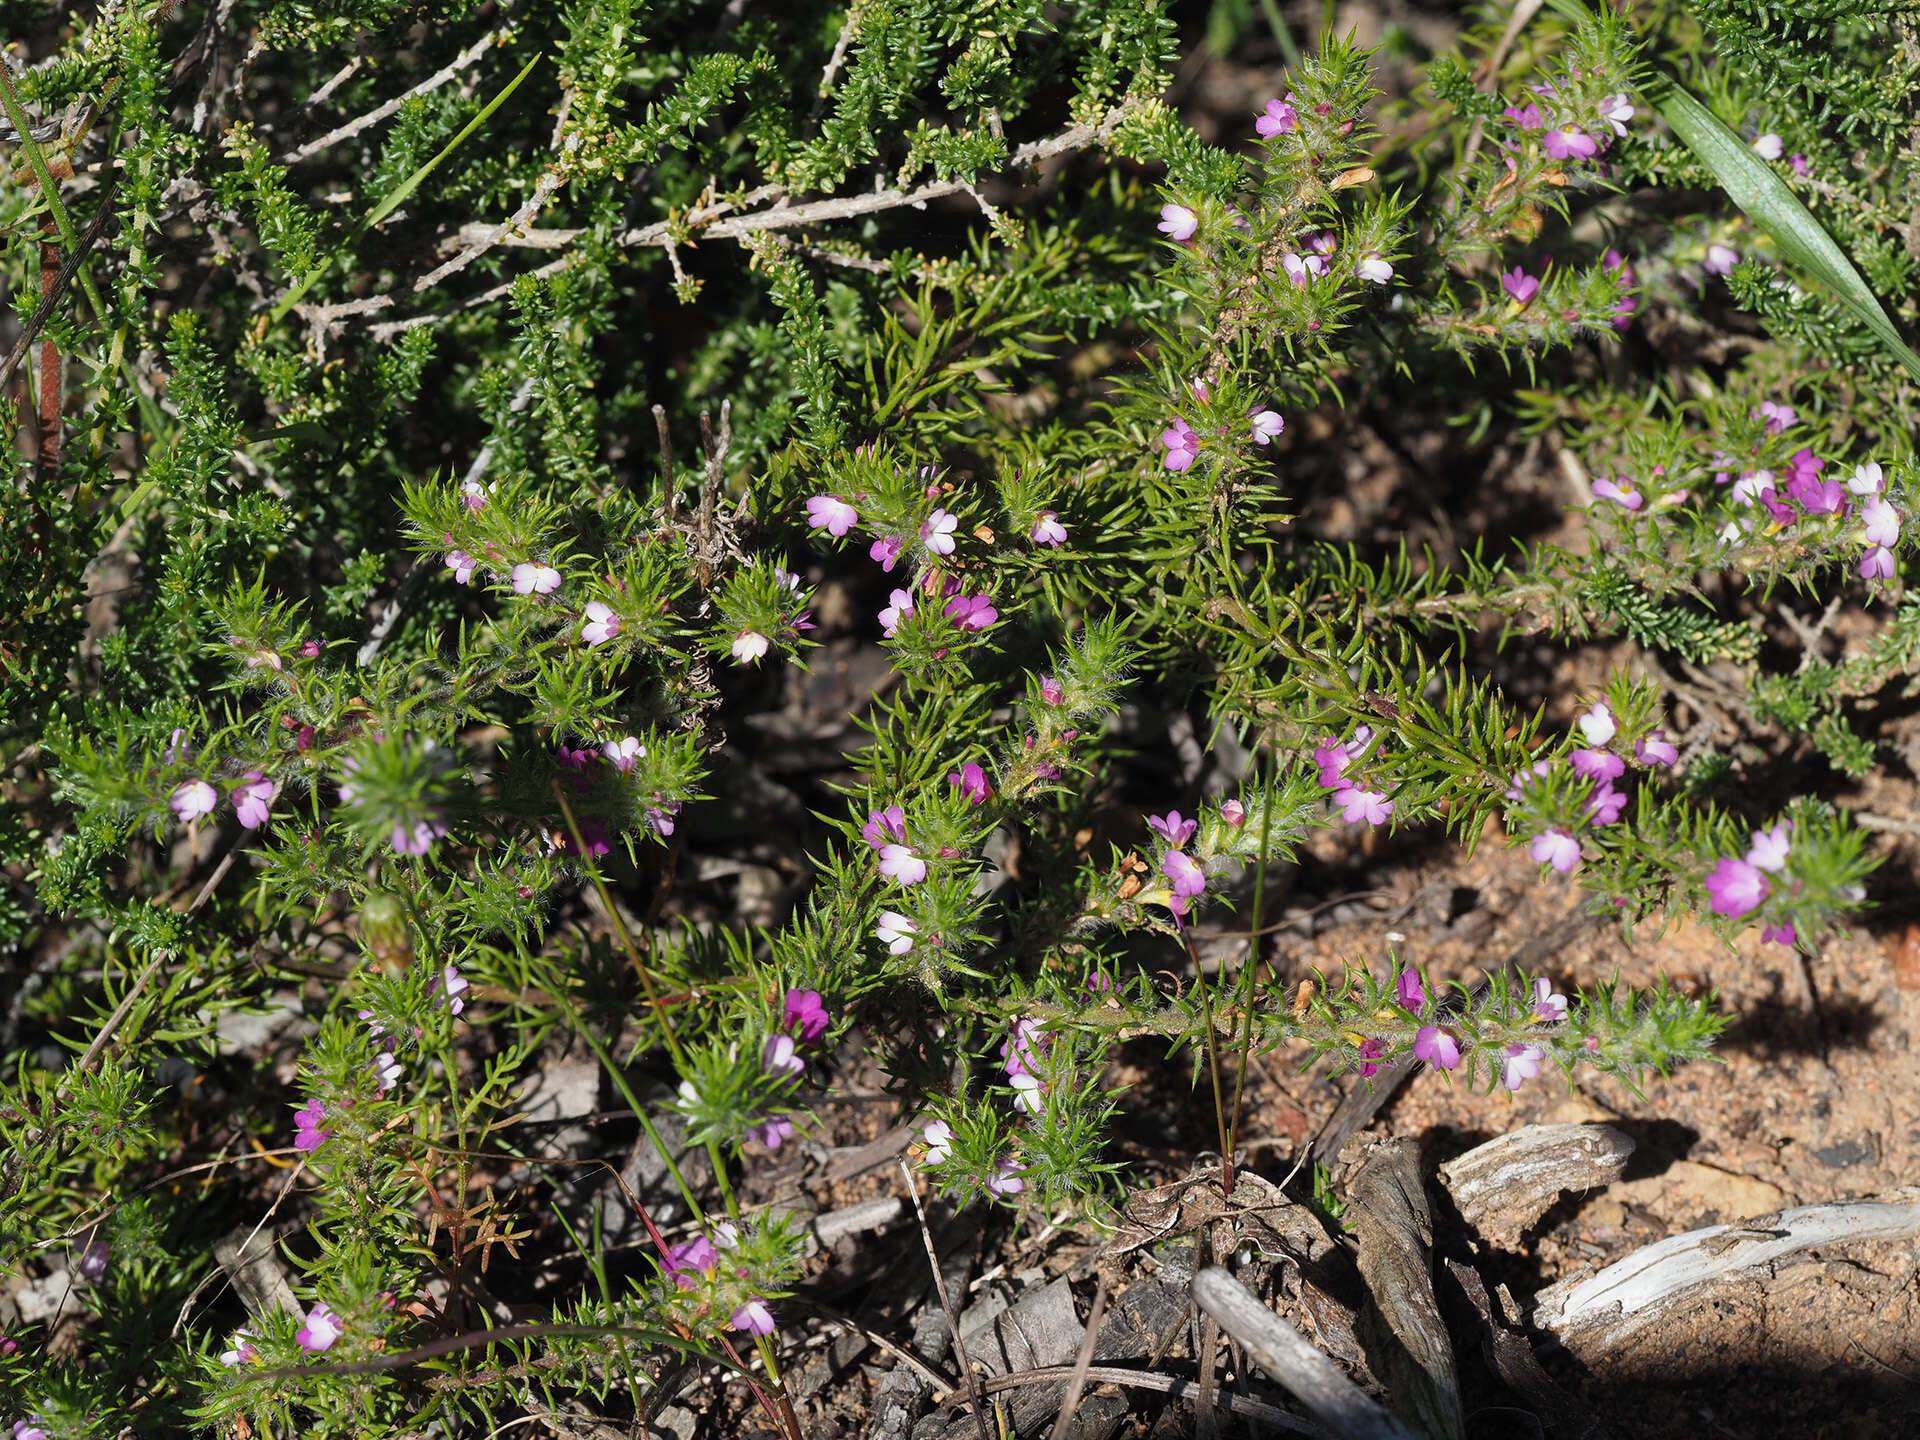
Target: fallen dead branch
1504	1186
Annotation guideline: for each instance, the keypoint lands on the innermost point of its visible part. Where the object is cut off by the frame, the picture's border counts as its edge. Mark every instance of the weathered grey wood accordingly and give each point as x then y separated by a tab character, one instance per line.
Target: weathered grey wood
1513	1360
1401	1327
1285	1354
1670	1276
1502	1187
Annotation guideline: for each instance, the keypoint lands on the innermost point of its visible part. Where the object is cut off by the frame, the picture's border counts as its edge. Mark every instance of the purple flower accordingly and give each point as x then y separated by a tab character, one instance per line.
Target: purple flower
1177	222
1778	934
695	1256
386	1071
779	1059
623	753
322	1328
1522	1062
1867	479
1006	1178
886	550
1520	285
1601	765
1802	167
1233	813
1051	691
896	932
601	624
1625	496
1408	990
474	495
1769	146
1720	259
1022	1051
192	799
831	514
938	1138
971	781
239	1351
92	1265
1626	305
1527	117
1881	522
1736	886
1436	1047
1570	142
1371	1051
1555	847
901	864
1654	749
1548	1006
1171	828
1332	759
462	564
805	1015
772	1132
1183	446
1047	530
253	799
595	836
753	1317
885	826
1776	417
660	817
1277	117
1816	496
1358	807
1877	564
1187	877
971	612
1266	424
307	1134
1770	848
456	986
937	533
899	607
1605	804
531	579
1617	110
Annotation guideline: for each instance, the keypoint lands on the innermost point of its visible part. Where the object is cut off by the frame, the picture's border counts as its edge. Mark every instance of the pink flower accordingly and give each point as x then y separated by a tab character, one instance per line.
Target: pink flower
1357	806
937	533
884	826
778	1057
1171	828
1778	934
750	647
1867	479
624	752
1006	1178
1624	496
1527	117
1617	110
971	781
531	579
1520	285
1029	1094
601	624
1051	691
1265	425
1177	222
971	612
753	1317
1655	749
1183	446
1303	270
321	1330
772	1132
1436	1047
1047	530
1605	804
1776	417
1770	848
937	1135
1602	765
1877	564
1371	1051
1626	305
1547	1006
1720	259
1736	887
1769	146
660	817
1277	118
307	1134
831	514
1187	877
1522	1063
886	550
92	1265
899	863
474	495
462	564
896	932
1570	142
239	1351
1802	167
253	799
695	1256
1408	990
805	1015
1233	813
900	605
309	649
1882	522
192	799
1555	847
1333	760
386	1071
455	985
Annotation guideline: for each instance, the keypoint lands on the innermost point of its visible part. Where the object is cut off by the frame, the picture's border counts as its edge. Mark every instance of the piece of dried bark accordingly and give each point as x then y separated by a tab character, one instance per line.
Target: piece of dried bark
1285	1354
1513	1360
1502	1187
1401	1325
1594	1313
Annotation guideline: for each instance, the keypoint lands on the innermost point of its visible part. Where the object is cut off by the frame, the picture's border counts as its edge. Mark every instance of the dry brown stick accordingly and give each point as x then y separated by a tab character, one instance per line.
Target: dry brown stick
905	1356
1082	1363
716	451
1284	1353
1153	1380
968	1379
